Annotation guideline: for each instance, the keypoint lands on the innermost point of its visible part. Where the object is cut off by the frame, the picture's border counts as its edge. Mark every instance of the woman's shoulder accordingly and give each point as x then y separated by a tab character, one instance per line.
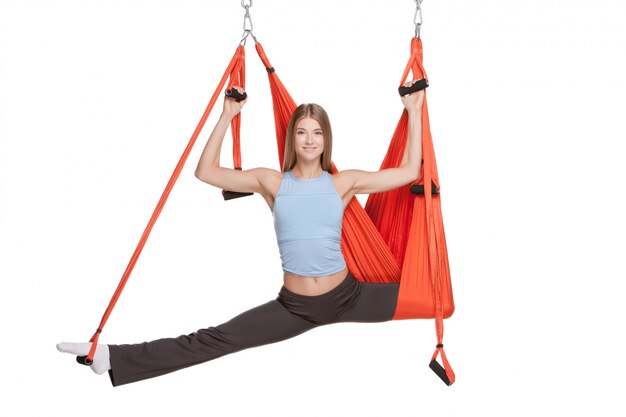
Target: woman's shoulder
346	176
344	184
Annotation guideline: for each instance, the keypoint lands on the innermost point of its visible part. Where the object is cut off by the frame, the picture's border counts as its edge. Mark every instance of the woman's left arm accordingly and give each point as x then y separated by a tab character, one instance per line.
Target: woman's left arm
363	182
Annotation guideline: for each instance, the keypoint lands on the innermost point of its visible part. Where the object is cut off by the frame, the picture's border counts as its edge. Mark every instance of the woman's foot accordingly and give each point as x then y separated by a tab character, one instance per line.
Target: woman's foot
101	362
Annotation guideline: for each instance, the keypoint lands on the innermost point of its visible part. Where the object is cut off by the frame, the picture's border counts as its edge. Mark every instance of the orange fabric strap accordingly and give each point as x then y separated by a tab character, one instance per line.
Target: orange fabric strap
234	72
426	277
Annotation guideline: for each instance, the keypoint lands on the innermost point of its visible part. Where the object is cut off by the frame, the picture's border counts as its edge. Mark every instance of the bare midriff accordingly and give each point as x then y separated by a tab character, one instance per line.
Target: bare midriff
304	285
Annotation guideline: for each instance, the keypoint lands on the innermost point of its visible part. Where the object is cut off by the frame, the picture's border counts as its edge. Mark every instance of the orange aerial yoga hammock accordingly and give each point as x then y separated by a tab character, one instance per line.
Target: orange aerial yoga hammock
398	237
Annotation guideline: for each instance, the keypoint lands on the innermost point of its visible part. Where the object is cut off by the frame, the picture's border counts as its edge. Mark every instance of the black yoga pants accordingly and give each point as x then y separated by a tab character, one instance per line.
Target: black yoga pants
289	315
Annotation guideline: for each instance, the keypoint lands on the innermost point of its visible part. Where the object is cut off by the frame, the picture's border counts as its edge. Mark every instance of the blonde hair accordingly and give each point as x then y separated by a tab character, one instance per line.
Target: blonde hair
317	113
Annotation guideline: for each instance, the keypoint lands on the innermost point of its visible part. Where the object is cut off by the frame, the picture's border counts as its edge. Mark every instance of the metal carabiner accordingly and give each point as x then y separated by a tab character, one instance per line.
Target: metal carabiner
247	23
245	37
418	13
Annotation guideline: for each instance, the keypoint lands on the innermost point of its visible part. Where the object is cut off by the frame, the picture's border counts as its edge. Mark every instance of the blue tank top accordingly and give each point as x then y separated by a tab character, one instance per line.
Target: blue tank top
307	217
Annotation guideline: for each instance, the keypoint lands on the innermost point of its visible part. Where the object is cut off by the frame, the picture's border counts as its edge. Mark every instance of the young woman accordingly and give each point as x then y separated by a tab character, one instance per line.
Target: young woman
307	202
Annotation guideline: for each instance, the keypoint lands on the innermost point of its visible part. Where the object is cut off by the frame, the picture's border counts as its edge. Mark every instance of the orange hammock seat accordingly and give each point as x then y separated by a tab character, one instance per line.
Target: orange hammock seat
397	237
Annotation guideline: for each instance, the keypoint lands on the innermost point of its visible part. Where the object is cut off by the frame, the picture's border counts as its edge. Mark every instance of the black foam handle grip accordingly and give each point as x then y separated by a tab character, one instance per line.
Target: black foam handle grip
419	85
441	373
418	189
83	360
233	93
230	195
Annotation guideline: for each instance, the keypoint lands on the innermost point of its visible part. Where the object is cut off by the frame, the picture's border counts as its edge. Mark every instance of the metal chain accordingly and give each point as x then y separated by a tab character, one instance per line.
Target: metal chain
418	14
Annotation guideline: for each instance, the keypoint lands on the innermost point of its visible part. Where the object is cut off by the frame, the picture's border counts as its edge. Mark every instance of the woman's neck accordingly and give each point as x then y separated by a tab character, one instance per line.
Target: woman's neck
307	171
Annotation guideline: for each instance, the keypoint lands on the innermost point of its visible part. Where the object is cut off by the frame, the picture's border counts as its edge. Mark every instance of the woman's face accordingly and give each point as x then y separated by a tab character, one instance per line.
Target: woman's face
309	140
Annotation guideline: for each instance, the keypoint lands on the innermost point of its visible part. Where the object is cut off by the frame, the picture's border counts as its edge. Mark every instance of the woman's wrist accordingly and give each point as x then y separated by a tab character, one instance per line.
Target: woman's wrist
414	112
225	117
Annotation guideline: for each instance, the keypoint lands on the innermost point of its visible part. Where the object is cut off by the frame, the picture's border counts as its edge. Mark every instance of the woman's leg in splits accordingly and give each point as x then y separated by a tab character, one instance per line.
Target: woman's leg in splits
267	323
288	316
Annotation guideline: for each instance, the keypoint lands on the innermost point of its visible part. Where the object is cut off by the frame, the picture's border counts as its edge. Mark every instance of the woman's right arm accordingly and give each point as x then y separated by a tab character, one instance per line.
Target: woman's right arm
209	169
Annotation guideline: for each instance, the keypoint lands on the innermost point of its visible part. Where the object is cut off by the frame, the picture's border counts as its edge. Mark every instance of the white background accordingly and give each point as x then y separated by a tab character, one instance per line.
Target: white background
98	100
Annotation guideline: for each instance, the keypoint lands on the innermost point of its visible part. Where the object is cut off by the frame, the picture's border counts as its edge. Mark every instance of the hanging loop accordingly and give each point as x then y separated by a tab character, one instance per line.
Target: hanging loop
417	19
